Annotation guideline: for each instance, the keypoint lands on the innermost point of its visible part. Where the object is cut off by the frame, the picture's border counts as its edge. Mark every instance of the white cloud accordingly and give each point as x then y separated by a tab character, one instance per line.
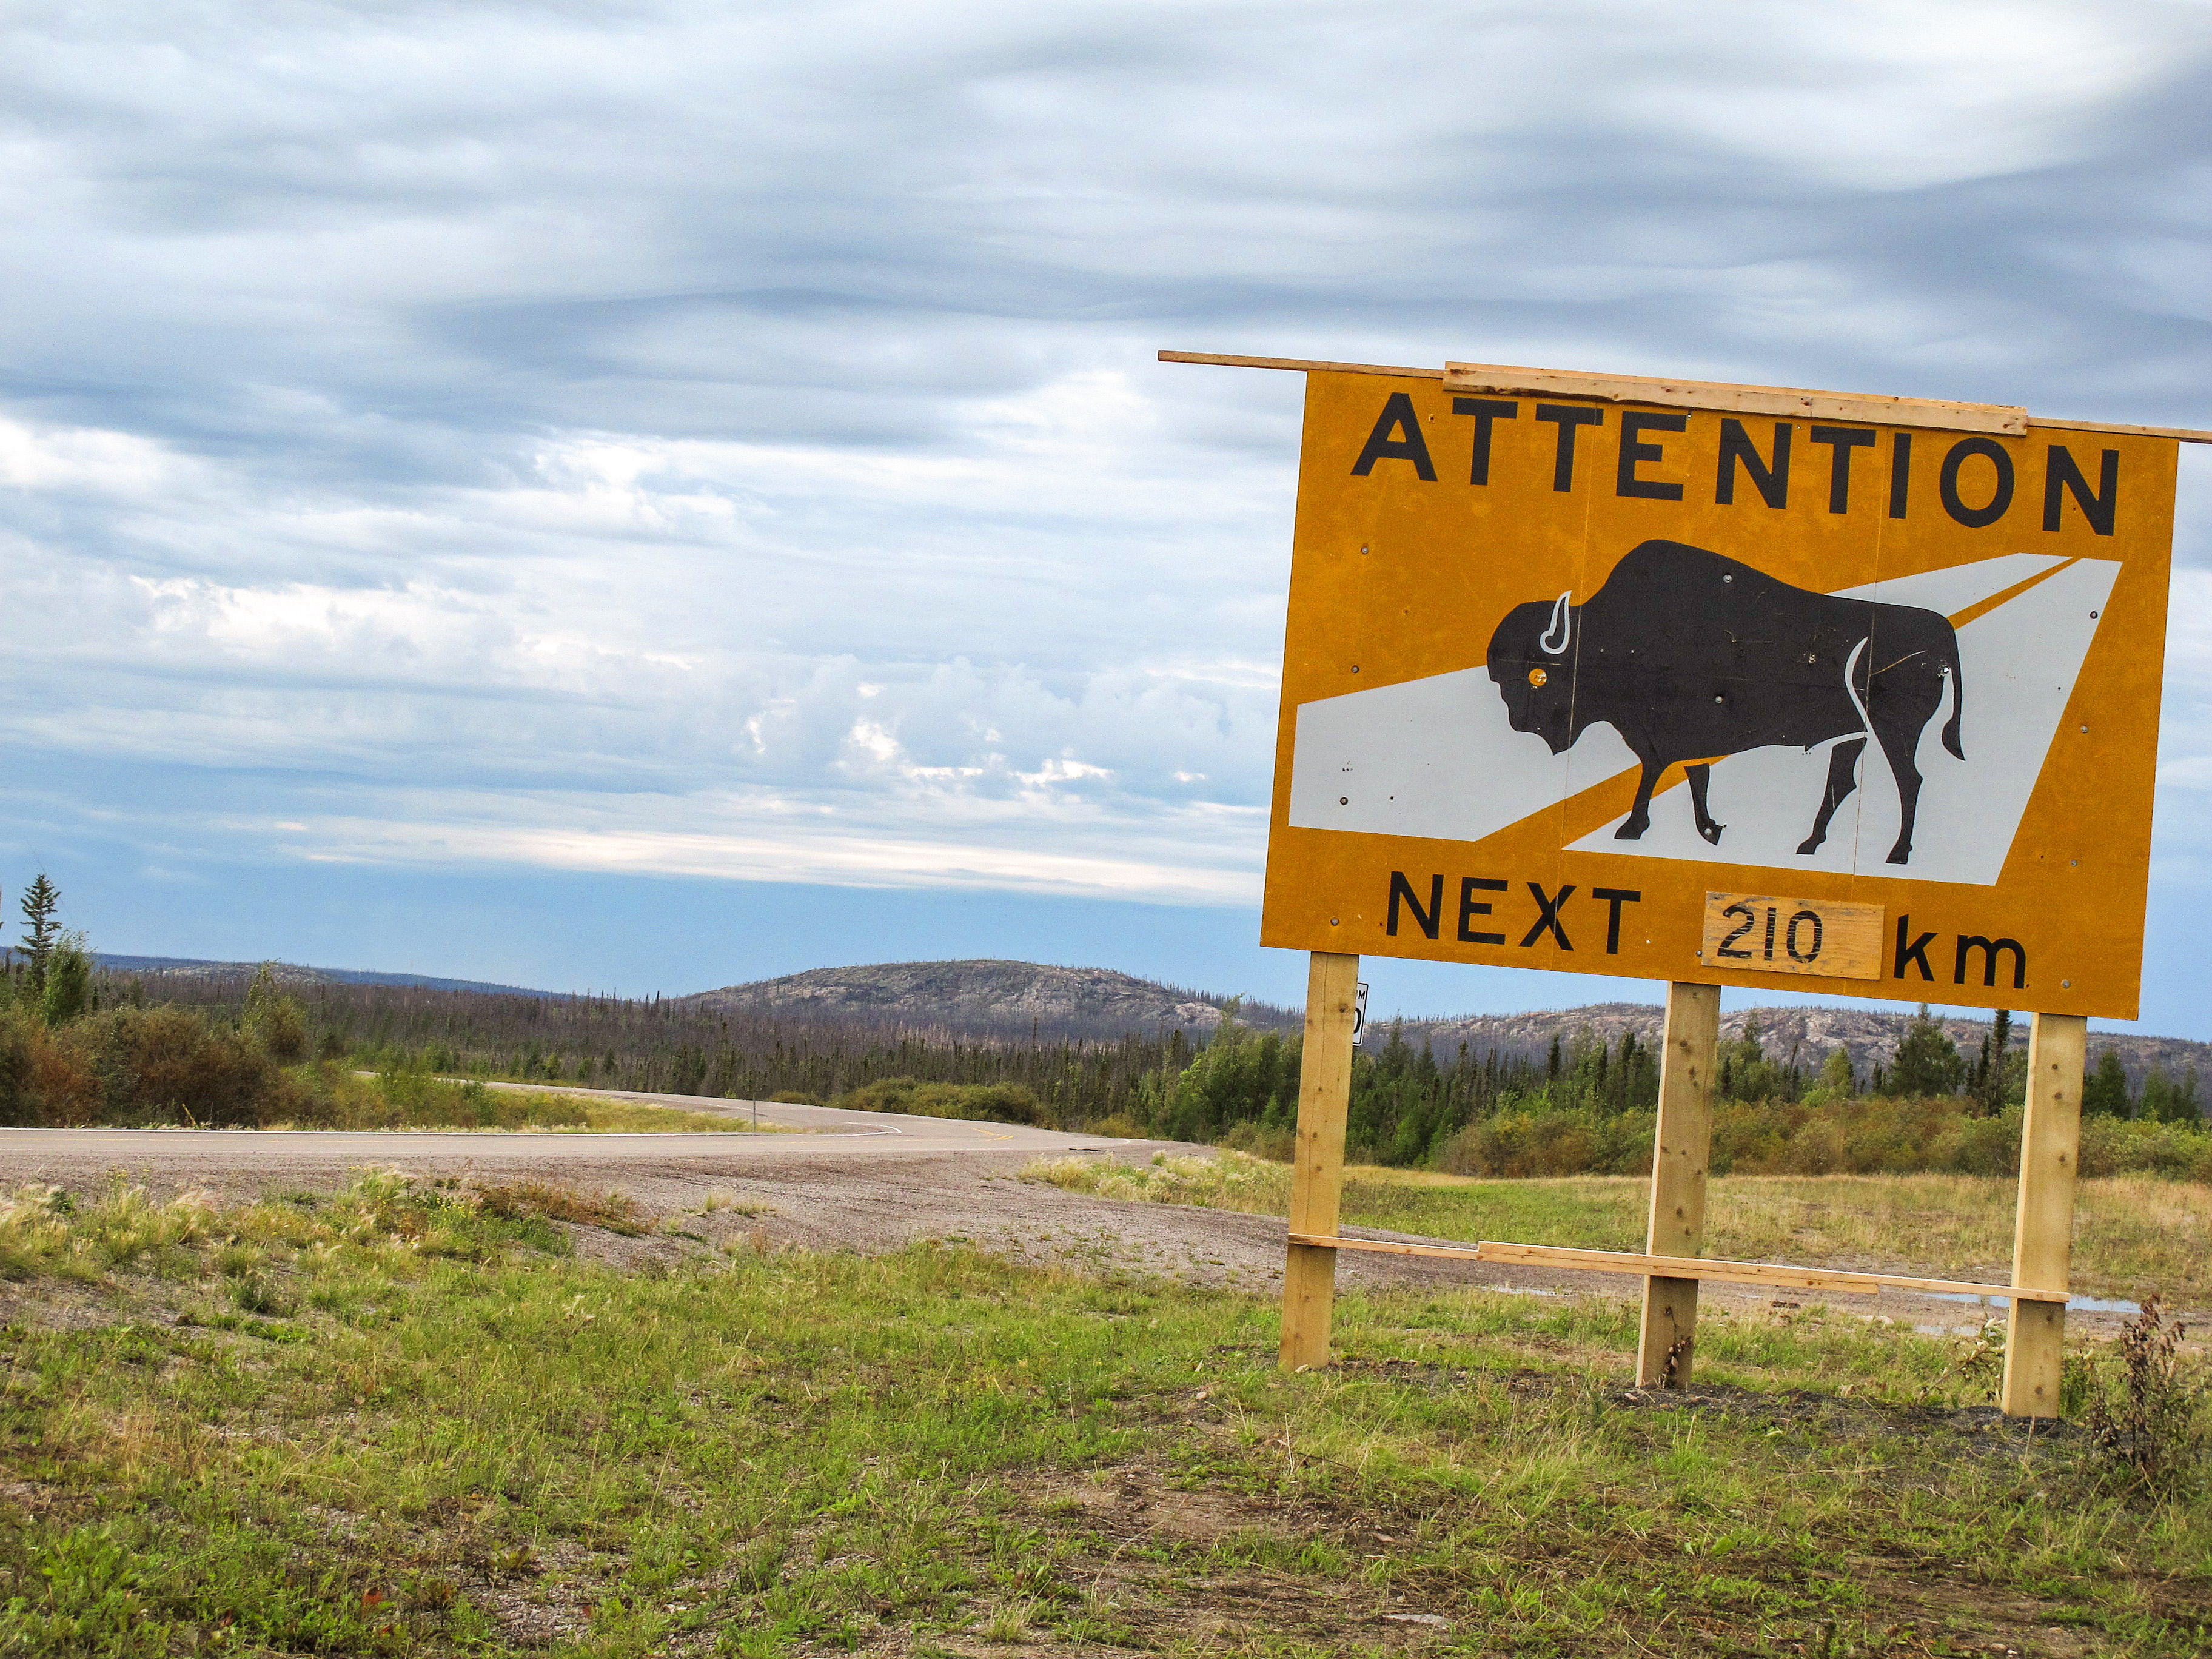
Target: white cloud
701	419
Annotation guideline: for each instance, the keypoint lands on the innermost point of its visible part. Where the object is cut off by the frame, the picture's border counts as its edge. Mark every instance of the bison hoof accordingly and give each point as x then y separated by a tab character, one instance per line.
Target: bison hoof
1901	855
1805	848
1711	832
1631	830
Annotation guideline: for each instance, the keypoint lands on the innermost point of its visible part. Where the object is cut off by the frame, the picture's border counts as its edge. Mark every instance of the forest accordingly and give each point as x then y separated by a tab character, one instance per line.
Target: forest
1586	1106
81	1046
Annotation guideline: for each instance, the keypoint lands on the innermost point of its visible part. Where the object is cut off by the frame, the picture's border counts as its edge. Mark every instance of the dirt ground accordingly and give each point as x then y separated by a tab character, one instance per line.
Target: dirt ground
869	1202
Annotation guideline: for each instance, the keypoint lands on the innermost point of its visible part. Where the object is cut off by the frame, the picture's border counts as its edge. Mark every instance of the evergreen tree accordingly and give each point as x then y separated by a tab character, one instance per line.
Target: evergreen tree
1837	1076
2105	1092
1990	1083
1926	1062
68	993
2170	1102
42	902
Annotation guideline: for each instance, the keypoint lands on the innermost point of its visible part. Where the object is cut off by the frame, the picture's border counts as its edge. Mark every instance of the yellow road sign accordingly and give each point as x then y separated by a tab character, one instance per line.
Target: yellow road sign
1560	668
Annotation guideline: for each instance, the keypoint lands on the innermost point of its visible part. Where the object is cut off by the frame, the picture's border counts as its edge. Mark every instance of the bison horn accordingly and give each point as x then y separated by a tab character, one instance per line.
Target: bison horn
1561	625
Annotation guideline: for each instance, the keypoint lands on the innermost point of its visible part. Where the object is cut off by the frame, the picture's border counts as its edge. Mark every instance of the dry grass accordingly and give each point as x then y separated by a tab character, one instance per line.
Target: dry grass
515	1201
2133	1235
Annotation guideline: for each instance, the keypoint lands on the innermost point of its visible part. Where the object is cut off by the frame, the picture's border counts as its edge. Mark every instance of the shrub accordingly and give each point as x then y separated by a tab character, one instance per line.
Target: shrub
166	1062
274	1020
61	1088
1276	1145
2152	1421
1537	1141
1813	1137
1004	1102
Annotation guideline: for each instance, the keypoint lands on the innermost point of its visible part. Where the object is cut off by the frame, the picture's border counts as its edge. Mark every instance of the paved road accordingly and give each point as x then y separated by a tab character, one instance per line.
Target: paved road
827	1132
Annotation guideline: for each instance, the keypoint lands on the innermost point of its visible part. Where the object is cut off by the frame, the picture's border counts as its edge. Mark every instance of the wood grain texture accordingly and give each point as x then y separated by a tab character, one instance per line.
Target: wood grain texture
1867	410
2187	434
2043	1227
1219	360
1779	1274
1841	941
1682	1148
1317	1168
1786	400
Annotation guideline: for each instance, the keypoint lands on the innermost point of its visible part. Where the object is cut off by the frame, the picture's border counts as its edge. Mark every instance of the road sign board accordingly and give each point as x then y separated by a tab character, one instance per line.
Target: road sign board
1559	668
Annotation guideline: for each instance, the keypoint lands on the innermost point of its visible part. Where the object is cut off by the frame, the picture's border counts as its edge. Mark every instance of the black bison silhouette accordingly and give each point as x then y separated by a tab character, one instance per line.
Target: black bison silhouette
1693	657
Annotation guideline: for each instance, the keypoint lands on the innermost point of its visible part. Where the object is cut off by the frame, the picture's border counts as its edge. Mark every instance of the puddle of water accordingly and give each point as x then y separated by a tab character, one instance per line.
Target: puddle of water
2074	1304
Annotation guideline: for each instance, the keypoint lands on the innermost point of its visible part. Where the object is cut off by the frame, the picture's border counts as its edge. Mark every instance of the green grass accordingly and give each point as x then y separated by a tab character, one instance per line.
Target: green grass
438	1431
2135	1234
337	1099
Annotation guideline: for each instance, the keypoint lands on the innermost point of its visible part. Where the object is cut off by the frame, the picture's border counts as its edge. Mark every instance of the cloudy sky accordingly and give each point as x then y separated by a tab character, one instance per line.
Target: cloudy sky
654	495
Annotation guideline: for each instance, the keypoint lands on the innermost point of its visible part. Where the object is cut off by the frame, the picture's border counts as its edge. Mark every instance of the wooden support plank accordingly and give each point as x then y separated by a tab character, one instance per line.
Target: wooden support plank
1870	409
1667	1337
2043	1227
1777	1274
1302	364
2186	434
1843	405
1317	1168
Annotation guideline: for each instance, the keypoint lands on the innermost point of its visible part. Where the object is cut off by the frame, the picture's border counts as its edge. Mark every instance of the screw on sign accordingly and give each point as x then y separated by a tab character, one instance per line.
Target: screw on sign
1717	684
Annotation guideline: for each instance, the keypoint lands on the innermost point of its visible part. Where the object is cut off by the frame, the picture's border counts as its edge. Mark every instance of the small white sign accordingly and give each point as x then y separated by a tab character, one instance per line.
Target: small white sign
1359	1015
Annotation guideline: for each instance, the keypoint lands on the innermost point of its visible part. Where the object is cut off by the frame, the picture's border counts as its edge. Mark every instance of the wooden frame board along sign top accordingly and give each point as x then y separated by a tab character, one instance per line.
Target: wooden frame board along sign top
1720	685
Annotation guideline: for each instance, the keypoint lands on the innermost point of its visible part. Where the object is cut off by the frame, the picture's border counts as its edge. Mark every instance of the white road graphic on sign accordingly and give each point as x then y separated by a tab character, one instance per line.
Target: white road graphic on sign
1436	758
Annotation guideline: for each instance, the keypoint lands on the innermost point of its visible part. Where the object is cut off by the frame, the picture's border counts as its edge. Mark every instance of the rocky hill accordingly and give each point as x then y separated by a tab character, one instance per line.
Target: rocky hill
291	973
1012	998
987	997
1812	1034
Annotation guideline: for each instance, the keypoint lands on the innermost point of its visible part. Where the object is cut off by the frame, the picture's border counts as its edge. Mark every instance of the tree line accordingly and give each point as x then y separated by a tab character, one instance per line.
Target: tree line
1411	1104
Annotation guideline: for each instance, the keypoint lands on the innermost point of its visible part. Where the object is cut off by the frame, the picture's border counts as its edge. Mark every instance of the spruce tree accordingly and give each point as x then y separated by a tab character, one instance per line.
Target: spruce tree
1990	1086
68	993
1926	1062
1837	1076
2105	1092
42	902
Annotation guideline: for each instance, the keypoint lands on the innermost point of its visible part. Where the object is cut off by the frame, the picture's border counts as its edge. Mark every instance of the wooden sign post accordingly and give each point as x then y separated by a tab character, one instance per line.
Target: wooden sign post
2042	1226
1716	684
1317	1173
1681	1149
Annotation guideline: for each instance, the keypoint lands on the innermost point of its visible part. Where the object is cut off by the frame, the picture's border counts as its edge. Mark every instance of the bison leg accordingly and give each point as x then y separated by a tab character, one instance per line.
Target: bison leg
1901	745
1639	816
1699	777
1843	778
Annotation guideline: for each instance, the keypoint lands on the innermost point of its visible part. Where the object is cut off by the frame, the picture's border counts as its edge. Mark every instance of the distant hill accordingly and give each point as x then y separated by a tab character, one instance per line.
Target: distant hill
292	973
1812	1034
1010	1000
987	997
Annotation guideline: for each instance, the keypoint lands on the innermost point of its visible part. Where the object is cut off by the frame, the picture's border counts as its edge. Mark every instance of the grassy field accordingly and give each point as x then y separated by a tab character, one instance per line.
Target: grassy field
415	1100
414	1419
2135	1234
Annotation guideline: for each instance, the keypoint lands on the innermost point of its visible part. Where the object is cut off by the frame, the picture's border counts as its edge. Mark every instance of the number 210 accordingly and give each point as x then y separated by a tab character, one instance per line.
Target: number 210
1792	942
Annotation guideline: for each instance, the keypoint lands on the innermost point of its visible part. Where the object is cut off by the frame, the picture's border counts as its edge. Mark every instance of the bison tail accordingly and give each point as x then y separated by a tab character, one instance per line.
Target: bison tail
1957	700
